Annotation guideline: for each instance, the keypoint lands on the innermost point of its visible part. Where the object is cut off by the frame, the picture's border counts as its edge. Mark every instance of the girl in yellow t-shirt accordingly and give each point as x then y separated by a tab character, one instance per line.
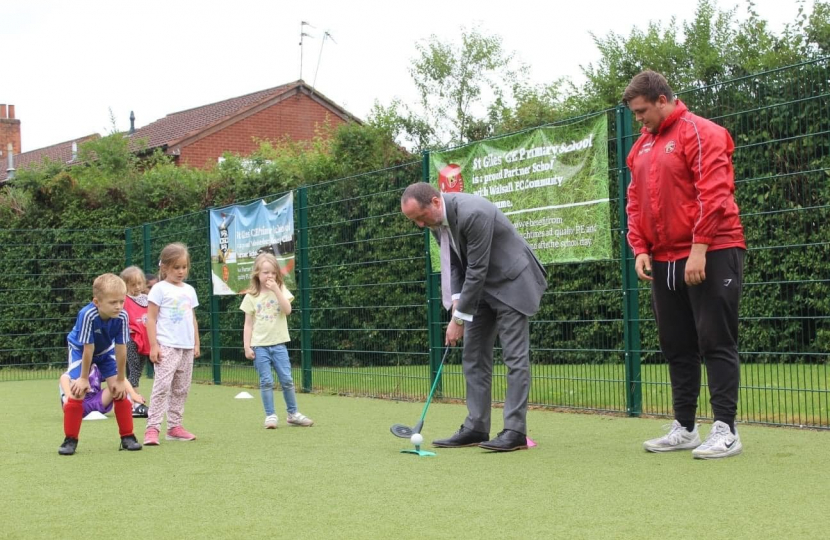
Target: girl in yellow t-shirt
267	305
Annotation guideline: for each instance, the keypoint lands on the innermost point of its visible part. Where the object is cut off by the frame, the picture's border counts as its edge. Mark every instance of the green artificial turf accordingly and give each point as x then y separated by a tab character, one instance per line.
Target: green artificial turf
345	477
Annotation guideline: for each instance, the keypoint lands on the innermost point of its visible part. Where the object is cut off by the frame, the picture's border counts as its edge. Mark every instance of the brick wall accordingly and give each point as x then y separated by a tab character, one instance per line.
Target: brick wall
297	116
9	130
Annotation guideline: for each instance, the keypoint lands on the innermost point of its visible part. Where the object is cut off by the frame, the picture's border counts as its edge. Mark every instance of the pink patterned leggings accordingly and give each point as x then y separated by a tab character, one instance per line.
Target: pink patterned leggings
170	386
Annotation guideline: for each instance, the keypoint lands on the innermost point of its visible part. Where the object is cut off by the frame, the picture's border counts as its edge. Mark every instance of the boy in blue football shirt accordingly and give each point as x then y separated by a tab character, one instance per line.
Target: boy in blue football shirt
99	337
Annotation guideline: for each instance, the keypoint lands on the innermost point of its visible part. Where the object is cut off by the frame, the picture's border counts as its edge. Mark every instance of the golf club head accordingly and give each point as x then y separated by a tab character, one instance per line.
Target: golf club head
402	431
405	432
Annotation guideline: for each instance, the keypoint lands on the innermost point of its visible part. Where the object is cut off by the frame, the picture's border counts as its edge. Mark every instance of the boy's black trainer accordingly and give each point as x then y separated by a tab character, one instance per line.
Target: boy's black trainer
68	447
129	443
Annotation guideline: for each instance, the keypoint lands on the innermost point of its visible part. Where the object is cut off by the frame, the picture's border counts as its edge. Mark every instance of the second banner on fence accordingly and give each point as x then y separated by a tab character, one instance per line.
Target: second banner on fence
239	233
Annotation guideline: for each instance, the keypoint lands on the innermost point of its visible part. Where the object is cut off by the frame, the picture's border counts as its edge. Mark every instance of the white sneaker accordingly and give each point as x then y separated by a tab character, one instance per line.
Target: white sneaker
271	421
720	443
299	419
678	438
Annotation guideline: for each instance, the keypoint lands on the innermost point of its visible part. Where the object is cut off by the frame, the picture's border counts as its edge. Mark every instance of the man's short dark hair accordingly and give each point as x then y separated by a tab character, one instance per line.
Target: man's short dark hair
422	192
648	84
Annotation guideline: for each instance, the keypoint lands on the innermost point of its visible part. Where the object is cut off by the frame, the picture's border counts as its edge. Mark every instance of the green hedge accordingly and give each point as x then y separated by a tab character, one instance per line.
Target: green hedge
368	297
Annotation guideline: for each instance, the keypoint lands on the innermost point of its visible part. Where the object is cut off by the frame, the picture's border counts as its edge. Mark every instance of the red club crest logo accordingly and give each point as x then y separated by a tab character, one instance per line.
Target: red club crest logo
670	147
449	179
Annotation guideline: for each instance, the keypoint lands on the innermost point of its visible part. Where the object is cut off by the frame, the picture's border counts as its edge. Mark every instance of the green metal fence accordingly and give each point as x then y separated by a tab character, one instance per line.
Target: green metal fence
368	320
45	278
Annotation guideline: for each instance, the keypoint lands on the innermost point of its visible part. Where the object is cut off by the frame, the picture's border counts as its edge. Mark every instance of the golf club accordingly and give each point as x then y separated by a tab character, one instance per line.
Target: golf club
405	432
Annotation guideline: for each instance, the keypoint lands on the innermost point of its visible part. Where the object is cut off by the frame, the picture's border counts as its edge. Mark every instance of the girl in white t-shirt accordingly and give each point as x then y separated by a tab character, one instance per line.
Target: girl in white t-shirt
174	341
266	306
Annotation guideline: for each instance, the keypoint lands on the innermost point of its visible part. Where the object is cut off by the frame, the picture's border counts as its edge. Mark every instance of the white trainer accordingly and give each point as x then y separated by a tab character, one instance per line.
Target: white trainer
678	438
720	443
299	419
271	421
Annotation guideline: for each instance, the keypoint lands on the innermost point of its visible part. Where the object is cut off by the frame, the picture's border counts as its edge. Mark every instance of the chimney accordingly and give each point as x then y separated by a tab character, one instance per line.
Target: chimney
132	122
9	129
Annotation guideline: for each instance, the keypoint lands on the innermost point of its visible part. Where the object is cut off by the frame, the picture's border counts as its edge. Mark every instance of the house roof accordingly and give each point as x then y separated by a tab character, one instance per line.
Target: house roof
61	152
183	126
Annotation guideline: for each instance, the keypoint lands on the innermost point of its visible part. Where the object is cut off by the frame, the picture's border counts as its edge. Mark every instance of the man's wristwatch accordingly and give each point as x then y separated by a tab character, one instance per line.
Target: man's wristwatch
459	322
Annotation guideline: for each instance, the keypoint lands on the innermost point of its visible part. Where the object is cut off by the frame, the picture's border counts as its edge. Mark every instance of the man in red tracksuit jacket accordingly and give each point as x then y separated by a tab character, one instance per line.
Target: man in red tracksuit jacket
686	234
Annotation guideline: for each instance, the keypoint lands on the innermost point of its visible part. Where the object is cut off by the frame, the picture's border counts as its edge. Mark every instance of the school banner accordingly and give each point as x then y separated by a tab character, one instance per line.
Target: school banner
551	182
239	233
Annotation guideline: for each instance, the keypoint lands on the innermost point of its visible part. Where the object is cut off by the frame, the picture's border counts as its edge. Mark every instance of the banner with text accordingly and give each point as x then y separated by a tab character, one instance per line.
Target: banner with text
551	182
239	233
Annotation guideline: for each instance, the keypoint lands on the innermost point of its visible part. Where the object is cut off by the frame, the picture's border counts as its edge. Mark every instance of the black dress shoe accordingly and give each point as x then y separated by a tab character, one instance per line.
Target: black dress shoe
507	441
462	437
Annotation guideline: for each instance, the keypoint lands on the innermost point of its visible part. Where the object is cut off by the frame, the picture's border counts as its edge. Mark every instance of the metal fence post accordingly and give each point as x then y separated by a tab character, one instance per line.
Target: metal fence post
631	312
146	248
215	343
128	247
304	285
433	318
433	299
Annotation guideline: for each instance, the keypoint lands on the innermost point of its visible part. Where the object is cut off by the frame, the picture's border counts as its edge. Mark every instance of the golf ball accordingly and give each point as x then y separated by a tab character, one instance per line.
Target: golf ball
416	438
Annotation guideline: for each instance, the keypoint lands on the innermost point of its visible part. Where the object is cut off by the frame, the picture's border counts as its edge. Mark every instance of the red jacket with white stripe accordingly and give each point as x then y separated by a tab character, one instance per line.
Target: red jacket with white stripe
682	189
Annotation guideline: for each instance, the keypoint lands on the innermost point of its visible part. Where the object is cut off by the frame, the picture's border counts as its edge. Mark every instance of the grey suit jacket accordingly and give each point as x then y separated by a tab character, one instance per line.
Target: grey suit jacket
492	257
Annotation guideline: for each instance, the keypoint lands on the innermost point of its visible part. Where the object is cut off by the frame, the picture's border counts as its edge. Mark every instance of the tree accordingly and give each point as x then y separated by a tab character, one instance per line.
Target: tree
621	58
535	105
455	83
473	89
712	48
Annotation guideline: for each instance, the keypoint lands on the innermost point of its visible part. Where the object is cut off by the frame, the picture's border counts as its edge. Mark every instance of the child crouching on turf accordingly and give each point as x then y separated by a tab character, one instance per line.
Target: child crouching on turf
267	305
97	399
99	337
138	348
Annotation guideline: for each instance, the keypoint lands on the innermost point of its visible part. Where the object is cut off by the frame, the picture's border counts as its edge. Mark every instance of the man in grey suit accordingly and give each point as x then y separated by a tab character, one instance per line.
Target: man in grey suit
497	284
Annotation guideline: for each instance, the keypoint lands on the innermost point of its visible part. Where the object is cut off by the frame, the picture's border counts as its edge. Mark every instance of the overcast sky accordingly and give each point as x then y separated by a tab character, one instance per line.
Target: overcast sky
66	64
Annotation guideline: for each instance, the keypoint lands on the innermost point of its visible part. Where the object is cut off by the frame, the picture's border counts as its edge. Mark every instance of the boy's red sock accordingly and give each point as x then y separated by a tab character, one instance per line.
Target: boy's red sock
73	413
124	416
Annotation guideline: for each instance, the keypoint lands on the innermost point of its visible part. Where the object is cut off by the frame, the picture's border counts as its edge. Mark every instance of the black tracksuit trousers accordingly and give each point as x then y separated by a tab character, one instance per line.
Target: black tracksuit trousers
701	321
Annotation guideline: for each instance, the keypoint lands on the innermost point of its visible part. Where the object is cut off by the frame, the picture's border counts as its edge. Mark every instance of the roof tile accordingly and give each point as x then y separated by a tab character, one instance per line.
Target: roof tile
61	152
176	126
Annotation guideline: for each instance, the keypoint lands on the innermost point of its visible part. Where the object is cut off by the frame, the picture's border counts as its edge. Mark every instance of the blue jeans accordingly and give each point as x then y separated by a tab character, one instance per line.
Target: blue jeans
277	356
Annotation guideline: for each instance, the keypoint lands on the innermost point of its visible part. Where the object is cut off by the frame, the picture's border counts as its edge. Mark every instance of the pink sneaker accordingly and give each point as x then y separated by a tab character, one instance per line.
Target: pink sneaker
178	433
151	437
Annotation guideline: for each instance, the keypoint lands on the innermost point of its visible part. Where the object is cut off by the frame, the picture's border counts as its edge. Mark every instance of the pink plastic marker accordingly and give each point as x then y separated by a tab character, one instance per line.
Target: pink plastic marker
530	443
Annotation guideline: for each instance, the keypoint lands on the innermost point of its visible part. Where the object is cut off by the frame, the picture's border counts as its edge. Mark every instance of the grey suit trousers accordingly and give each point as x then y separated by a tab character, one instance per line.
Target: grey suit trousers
494	318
